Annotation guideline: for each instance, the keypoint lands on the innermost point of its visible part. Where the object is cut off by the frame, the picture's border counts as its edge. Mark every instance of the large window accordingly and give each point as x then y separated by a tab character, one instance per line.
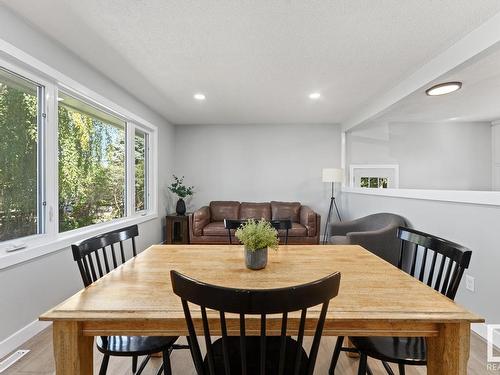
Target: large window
91	165
69	159
19	132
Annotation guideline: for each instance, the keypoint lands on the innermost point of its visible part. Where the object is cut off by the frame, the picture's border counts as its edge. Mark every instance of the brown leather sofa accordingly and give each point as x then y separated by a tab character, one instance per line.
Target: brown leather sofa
206	225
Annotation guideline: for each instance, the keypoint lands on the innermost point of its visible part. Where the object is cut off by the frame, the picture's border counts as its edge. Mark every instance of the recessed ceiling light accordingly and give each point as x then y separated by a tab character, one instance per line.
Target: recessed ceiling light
199	96
443	88
314	95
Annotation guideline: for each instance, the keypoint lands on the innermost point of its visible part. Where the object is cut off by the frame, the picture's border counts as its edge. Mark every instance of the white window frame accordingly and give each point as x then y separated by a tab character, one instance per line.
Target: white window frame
393	167
17	61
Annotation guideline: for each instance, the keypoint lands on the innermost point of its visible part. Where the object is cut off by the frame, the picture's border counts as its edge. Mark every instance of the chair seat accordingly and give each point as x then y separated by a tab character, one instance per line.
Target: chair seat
405	350
253	355
134	345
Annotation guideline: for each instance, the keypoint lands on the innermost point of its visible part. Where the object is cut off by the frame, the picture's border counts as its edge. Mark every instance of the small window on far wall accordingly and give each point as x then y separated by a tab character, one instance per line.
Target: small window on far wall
91	165
373	182
374	176
20	198
141	168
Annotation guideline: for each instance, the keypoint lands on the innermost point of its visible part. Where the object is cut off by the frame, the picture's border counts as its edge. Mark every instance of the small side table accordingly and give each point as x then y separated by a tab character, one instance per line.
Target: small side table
176	229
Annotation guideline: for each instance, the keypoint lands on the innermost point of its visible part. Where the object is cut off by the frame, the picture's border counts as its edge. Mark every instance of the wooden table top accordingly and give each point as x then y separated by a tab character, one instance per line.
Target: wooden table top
370	288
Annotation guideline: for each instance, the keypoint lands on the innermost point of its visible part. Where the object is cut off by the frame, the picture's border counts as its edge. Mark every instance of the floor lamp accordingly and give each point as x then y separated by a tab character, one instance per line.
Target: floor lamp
331	175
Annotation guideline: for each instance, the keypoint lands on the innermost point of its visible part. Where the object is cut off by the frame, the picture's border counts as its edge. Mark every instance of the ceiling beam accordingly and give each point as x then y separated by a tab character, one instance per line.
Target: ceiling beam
477	41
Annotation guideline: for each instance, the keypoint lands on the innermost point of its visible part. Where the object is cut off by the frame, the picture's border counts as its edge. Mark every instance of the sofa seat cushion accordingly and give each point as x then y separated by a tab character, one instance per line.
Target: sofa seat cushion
297	230
249	210
340	240
220	210
285	211
215	229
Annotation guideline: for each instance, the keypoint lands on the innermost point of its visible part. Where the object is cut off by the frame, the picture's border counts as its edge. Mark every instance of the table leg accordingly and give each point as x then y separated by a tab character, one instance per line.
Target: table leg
448	353
73	352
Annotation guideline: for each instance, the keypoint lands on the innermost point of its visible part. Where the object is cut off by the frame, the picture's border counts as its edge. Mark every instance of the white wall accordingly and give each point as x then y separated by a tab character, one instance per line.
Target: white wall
440	155
474	226
258	162
31	288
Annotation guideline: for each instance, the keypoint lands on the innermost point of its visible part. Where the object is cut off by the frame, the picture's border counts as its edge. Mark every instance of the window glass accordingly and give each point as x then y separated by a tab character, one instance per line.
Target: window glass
19	115
91	165
140	142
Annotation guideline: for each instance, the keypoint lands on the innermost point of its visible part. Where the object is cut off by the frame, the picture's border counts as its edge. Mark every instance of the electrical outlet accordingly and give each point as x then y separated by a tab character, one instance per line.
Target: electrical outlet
469	283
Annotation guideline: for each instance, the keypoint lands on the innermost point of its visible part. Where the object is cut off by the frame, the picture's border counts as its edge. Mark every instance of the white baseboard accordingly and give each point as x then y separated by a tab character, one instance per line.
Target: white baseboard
482	330
20	337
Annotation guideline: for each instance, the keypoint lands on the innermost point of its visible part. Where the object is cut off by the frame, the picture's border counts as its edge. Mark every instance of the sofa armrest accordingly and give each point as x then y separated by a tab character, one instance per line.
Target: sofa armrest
201	218
308	219
342	228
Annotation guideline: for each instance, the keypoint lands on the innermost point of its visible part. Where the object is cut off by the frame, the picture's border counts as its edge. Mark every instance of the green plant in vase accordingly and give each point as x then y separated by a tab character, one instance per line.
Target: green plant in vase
178	188
257	237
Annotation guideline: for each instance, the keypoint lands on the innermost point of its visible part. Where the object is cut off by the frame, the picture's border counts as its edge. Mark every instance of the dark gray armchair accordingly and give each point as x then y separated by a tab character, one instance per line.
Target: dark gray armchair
377	233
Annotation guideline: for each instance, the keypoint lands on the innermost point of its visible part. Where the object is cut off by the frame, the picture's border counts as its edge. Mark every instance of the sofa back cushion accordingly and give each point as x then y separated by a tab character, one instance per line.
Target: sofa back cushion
285	210
220	210
251	210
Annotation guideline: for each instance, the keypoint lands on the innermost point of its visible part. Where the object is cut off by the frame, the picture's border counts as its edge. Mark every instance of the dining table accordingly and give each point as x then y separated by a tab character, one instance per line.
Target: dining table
375	299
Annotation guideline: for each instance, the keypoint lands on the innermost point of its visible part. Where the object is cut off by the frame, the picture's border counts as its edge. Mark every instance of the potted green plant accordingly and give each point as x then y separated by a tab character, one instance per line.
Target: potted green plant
178	188
257	236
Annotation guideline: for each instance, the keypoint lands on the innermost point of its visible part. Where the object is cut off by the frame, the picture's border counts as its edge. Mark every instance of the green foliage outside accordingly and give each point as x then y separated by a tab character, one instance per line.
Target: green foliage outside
91	170
18	162
256	235
140	176
91	165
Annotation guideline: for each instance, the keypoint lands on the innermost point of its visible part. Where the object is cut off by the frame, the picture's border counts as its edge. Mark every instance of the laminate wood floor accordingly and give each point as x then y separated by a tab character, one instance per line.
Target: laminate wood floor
40	360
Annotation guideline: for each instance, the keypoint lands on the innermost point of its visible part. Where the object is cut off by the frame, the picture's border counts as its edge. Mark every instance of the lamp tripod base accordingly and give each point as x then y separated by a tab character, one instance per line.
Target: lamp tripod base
333	203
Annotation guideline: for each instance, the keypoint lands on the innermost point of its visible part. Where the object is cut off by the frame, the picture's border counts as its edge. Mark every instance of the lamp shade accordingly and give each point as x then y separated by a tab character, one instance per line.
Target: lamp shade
332	175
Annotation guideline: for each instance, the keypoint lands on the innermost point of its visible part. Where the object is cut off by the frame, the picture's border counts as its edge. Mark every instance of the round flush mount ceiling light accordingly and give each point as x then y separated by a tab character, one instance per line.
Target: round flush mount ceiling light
443	88
199	96
314	95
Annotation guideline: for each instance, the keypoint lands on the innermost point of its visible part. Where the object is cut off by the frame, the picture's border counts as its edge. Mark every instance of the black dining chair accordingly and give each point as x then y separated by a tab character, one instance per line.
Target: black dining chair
436	262
231	224
96	257
254	354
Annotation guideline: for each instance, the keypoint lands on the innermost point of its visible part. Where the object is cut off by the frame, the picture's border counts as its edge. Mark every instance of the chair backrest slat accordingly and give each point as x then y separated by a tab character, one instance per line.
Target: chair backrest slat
424	263
262	344
452	262
122	253
414	260
430	276
208	341
105	256
313	353
225	349
284	321
261	302
300	339
113	255
243	345
88	253
92	268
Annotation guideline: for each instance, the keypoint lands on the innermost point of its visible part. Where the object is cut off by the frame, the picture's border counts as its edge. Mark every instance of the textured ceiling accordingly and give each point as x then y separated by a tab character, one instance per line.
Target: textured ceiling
477	100
256	61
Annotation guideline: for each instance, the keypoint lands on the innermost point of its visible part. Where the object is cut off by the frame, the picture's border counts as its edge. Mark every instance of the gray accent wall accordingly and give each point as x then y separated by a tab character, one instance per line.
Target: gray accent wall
258	163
